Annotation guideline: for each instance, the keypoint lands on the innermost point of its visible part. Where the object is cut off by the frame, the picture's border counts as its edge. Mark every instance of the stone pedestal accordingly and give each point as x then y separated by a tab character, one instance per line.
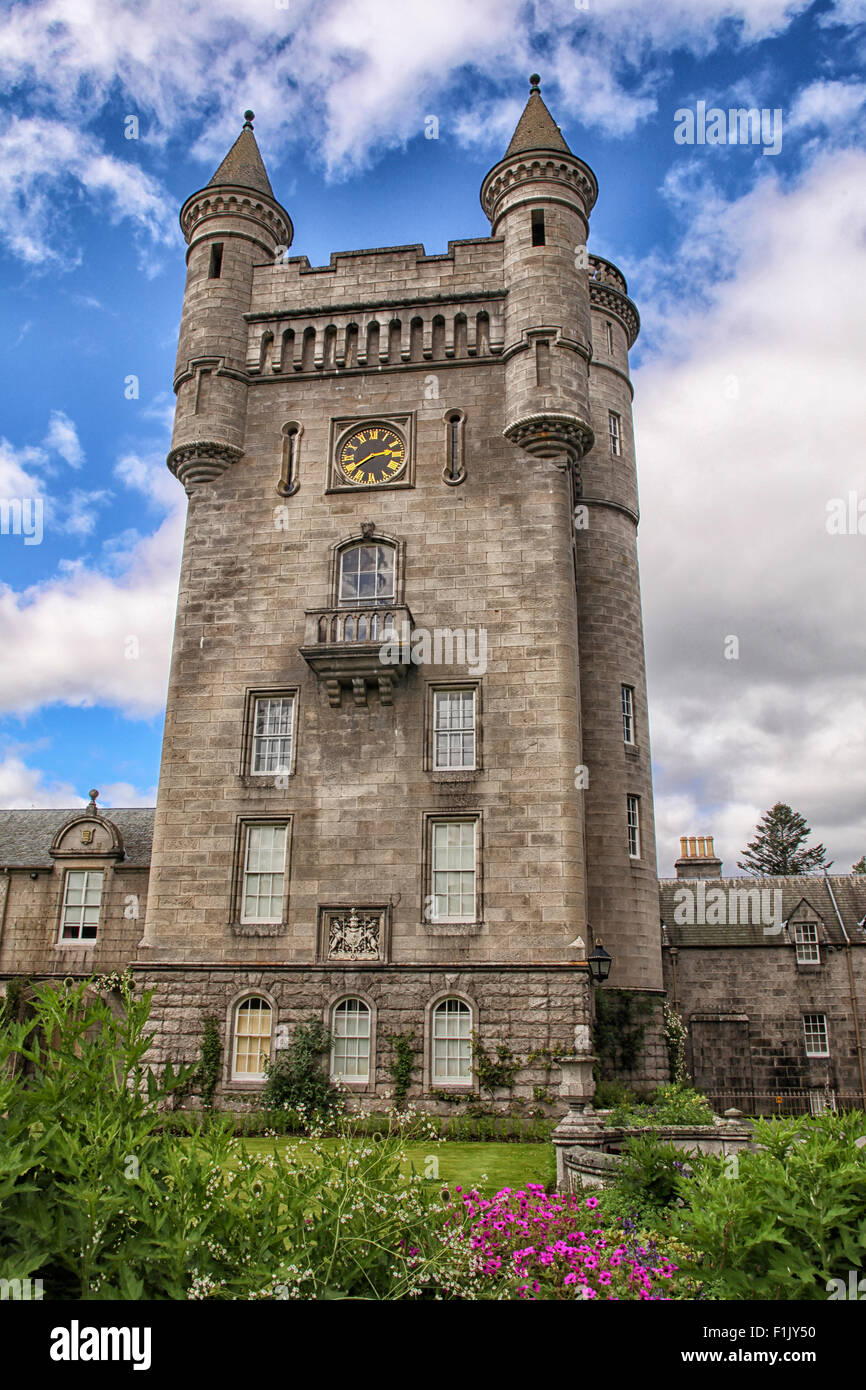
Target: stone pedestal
577	1087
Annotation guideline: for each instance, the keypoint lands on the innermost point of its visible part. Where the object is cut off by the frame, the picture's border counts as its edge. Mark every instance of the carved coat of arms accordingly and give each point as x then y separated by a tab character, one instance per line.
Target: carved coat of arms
354	937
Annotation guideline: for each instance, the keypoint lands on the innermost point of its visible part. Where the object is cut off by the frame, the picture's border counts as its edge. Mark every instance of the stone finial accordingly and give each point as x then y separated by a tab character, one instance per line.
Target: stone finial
249	117
93	794
534	82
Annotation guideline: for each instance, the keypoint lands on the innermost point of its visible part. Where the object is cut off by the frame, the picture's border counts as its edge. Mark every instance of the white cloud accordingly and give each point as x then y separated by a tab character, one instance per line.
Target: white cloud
86	637
25	787
749	421
41	159
62	438
829	104
349	78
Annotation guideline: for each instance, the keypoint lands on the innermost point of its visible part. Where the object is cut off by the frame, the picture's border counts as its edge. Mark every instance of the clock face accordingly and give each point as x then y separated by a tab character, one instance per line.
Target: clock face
372	455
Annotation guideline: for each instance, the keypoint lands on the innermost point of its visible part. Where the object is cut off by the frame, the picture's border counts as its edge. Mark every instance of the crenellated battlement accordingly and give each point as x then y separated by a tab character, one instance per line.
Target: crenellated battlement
370	276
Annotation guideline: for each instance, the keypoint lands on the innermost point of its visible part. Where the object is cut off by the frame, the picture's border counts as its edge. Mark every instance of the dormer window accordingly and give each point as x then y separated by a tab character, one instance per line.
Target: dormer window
367	574
82	899
806	941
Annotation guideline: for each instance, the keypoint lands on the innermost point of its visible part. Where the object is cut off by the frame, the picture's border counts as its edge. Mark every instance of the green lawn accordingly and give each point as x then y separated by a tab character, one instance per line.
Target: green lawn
488	1167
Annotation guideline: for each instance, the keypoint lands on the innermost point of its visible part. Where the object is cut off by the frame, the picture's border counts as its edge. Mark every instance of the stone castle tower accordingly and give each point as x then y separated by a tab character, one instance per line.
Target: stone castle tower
405	780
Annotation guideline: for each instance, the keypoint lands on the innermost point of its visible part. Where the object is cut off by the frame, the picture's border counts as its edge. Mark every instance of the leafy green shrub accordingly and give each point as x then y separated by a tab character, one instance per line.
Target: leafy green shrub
612	1094
210	1061
783	1221
297	1078
100	1201
672	1104
650	1173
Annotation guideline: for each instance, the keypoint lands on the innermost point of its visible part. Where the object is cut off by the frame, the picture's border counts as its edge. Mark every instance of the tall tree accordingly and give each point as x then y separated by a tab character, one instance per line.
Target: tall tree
860	866
776	848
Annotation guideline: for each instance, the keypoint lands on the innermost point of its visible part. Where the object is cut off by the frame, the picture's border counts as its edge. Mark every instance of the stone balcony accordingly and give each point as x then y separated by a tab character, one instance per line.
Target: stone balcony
344	647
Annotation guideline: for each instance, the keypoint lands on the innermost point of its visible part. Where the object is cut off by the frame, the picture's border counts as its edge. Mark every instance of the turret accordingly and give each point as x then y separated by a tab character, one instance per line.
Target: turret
231	225
538	199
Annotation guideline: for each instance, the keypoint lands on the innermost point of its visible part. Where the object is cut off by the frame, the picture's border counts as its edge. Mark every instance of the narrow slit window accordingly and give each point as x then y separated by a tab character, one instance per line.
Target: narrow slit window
216	261
609	326
633	820
542	362
615	433
538	237
627	714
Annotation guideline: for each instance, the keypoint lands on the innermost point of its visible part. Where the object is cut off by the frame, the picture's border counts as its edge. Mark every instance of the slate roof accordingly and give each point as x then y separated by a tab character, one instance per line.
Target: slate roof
26	836
244	166
848	889
536	129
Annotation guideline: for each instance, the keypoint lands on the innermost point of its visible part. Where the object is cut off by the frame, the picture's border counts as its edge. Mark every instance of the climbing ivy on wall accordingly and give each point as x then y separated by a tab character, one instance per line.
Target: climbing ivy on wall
209	1061
401	1065
620	1023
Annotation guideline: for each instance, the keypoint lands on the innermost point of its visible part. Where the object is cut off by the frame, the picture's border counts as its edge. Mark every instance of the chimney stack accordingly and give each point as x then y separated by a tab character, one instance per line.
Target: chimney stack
698	858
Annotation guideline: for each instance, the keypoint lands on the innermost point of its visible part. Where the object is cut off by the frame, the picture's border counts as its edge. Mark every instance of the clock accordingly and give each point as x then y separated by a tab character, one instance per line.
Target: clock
372	455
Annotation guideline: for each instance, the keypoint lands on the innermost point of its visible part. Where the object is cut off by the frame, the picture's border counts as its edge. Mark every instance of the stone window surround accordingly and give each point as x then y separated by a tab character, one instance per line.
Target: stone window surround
86	862
78	941
241	825
230	1082
429	819
469	1087
367	1087
452	774
807	1034
367	535
263	780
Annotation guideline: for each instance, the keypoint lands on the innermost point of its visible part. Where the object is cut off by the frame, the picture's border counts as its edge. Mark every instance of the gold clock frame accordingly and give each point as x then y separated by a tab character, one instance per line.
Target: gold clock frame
343	427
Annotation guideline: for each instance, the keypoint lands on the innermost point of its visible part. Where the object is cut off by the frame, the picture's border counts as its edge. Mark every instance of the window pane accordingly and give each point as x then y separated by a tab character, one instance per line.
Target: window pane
351	1032
262	897
452	1053
367	572
454	729
272	737
252	1038
81	904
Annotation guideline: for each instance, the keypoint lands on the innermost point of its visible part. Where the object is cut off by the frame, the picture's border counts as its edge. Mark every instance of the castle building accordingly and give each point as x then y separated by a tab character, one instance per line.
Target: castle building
405	777
405	783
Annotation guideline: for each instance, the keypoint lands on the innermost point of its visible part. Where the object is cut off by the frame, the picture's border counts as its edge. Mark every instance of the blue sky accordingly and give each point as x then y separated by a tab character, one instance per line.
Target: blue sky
749	271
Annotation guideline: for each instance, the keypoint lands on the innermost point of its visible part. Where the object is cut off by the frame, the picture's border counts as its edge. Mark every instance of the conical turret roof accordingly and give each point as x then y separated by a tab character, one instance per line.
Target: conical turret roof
536	129
243	165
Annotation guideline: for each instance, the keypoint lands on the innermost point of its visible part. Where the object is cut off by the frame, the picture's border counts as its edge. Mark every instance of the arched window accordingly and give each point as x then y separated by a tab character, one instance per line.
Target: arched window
252	1045
367	574
350	1029
452	1051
